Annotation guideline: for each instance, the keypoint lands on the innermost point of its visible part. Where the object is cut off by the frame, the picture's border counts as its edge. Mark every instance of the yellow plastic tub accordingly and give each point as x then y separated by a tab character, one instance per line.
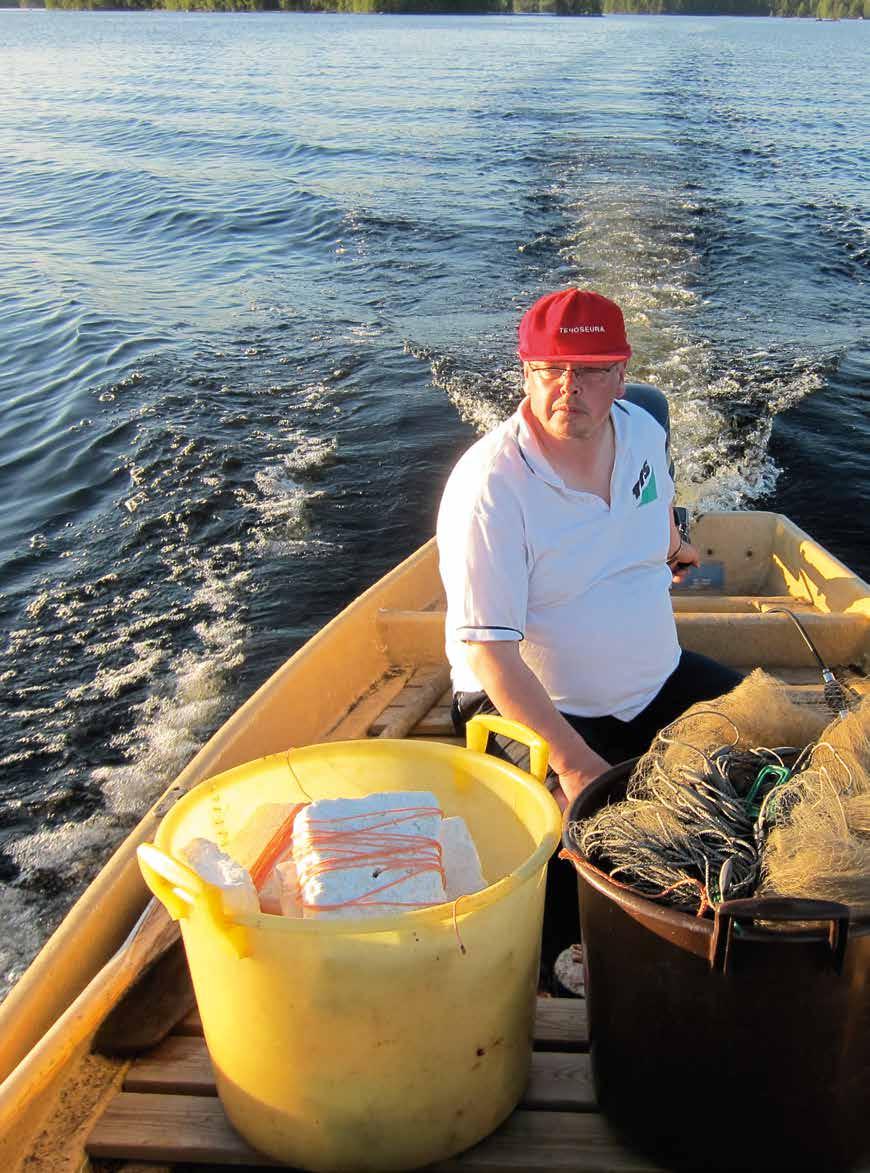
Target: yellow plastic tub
377	1043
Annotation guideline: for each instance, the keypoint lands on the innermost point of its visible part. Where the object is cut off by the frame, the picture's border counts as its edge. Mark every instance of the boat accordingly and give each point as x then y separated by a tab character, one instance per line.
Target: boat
376	670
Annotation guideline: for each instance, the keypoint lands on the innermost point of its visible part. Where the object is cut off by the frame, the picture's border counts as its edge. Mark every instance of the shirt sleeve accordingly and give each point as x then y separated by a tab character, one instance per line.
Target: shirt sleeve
483	563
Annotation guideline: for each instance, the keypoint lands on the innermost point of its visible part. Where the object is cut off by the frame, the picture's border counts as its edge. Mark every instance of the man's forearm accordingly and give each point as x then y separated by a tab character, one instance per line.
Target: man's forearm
518	694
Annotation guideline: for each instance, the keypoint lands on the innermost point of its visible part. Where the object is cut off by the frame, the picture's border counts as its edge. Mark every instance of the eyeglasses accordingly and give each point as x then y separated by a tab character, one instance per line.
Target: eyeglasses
592	376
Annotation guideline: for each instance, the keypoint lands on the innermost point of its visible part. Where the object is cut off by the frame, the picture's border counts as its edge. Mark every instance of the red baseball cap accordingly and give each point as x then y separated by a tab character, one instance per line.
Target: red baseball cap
574	325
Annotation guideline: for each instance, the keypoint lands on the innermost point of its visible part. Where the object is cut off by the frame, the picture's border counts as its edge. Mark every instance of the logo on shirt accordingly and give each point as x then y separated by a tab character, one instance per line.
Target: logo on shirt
644	488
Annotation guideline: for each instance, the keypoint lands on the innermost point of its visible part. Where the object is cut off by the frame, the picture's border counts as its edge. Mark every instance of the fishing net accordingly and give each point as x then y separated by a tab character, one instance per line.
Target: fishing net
848	737
818	845
690	850
692	830
758	712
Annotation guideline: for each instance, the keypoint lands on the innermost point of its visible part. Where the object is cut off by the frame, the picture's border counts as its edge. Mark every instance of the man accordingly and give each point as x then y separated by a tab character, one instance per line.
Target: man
558	546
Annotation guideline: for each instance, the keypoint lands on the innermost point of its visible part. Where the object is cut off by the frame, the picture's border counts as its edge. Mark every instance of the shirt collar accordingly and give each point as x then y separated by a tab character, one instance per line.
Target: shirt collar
533	454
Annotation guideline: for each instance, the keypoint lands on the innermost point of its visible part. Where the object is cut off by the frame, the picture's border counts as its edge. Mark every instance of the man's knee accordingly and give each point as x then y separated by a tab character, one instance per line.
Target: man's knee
466	705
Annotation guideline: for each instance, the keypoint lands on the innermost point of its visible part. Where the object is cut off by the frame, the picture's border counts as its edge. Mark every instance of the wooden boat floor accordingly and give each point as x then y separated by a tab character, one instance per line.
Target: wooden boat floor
168	1114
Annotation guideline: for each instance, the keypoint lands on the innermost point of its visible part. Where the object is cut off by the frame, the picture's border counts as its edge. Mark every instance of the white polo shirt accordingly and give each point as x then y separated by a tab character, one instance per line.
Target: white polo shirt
582	584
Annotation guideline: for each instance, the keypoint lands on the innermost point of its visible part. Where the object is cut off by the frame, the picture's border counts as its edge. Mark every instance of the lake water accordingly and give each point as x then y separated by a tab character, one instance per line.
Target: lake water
261	277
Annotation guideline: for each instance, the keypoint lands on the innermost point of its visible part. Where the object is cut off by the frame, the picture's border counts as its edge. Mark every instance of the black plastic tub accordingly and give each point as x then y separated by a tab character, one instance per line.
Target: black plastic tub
720	1043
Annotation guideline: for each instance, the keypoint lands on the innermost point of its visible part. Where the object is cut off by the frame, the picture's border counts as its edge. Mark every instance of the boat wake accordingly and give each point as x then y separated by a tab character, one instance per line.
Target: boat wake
648	249
116	679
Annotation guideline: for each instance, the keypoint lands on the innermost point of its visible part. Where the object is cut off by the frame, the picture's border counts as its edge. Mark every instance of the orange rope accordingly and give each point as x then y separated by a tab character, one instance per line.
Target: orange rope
281	841
459	940
377	845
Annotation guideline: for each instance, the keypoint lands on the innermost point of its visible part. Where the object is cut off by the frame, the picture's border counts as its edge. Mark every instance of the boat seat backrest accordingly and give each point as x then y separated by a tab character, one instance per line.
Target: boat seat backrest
654	401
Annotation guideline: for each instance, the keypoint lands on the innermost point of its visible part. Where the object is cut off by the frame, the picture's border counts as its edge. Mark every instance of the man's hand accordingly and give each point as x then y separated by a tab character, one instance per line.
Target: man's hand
572	782
685	557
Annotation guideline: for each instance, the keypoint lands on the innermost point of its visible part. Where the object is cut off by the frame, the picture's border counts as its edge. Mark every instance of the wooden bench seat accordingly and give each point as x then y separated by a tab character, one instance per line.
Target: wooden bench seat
414	637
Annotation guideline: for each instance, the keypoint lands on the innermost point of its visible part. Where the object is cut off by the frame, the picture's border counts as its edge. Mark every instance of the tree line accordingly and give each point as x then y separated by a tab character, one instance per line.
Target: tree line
821	9
456	7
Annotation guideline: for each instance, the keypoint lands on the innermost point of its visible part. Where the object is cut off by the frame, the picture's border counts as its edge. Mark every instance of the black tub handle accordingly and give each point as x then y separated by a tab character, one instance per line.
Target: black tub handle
778	908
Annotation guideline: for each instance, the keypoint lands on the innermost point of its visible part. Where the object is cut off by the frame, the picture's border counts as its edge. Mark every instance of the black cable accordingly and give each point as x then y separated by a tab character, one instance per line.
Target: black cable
838	697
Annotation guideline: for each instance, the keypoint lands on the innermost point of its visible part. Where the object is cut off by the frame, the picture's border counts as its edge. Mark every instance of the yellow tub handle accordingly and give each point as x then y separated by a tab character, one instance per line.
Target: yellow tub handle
179	888
477	733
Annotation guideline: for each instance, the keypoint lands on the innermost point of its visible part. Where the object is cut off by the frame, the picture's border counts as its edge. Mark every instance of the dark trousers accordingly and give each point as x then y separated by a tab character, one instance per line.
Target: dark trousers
695	678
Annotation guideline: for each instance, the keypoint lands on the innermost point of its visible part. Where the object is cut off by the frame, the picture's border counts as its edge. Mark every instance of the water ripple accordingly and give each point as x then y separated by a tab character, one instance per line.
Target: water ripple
262	281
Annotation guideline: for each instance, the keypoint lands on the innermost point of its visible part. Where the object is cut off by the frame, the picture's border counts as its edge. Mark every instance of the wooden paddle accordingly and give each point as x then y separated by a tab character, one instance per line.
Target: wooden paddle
158	993
149	940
